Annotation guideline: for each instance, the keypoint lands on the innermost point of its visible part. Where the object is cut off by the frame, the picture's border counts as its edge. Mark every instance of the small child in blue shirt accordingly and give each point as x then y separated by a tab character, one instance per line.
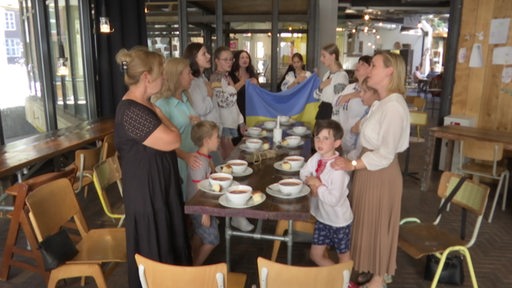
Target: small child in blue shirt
329	203
205	135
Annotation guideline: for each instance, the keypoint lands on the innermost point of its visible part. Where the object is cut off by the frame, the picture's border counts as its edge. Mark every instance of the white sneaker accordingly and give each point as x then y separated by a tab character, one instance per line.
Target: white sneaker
242	223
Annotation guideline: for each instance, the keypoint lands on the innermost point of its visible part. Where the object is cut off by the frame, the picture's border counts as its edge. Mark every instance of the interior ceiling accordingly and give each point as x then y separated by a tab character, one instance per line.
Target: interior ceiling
349	11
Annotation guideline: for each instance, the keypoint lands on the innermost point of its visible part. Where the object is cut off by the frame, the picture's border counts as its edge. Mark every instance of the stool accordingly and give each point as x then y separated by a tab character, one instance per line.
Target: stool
19	219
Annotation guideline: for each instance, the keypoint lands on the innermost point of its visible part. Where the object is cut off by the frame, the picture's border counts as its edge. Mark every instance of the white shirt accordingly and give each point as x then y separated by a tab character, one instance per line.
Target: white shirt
289	78
338	83
331	206
385	131
347	115
206	107
225	95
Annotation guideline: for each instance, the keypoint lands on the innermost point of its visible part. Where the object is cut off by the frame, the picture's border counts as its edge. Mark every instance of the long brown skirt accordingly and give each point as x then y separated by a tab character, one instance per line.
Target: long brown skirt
376	200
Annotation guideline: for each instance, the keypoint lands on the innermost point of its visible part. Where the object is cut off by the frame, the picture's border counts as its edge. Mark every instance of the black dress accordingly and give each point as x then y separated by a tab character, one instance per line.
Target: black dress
155	220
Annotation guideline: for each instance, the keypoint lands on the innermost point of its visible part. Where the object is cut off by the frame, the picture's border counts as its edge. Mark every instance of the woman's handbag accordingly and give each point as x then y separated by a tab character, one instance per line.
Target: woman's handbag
57	249
452	272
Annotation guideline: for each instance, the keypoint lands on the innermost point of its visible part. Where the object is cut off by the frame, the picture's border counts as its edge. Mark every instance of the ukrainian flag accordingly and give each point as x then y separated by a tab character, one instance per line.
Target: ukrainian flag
298	103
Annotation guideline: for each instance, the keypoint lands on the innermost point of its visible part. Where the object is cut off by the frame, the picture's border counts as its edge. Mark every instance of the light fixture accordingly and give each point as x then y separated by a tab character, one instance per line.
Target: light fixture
104	20
366	17
62	66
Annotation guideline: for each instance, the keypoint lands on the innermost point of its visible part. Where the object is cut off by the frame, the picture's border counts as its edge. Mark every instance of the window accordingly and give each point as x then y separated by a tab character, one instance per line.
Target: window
13	47
10	21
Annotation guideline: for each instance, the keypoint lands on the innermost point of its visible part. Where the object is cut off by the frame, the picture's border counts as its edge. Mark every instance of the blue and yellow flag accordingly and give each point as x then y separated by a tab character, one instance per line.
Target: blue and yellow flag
298	103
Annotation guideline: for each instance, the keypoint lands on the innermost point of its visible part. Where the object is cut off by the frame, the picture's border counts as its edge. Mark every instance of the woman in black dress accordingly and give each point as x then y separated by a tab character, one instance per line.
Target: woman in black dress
146	142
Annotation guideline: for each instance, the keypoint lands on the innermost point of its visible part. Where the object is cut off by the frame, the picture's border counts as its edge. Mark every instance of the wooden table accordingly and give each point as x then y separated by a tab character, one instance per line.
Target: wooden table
453	133
272	208
17	155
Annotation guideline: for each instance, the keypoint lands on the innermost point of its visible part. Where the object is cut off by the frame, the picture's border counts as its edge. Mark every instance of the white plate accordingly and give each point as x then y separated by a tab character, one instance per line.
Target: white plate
278	165
223	200
291	132
206	187
273	190
289	122
247	149
262	134
247	171
301	142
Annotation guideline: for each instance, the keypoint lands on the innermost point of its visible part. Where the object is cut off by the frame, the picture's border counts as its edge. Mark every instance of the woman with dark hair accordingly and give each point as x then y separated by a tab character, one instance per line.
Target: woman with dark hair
146	141
377	183
333	83
241	71
295	74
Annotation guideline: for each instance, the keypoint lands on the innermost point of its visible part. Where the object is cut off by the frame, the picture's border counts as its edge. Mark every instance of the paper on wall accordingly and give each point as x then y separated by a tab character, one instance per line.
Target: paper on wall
475	60
506	75
462	55
502	55
499	31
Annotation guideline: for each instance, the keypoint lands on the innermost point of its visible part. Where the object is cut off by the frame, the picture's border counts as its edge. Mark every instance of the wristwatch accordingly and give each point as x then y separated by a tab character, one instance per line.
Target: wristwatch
354	164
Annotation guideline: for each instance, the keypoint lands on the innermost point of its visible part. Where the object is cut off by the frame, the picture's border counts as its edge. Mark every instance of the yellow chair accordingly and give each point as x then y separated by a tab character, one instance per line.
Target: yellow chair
485	161
105	174
155	274
421	239
85	159
418	120
96	246
273	274
108	149
417	103
282	226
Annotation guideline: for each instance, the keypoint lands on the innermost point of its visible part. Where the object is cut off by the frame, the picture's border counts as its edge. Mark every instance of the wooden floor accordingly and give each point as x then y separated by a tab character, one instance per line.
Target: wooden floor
492	253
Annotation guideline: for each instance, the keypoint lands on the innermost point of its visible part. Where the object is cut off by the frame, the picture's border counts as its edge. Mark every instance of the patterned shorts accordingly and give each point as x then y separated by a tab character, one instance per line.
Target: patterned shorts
337	237
208	235
229	132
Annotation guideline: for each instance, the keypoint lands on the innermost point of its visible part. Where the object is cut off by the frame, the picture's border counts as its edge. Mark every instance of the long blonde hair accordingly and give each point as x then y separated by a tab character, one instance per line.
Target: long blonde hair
171	78
136	61
333	49
397	81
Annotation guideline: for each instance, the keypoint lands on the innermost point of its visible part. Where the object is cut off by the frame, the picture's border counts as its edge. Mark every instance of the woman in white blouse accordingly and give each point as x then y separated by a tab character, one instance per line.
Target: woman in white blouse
333	83
377	183
295	74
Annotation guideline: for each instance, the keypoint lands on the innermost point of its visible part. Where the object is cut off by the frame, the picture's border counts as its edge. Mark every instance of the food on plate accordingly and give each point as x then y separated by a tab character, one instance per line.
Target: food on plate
284	142
257	196
263	133
265	146
286	165
216	187
227	169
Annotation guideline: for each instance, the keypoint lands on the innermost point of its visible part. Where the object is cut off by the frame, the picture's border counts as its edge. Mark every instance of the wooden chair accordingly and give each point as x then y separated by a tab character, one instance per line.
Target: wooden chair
417	102
105	174
20	219
420	239
484	160
85	159
95	246
282	226
418	120
154	274
273	274
108	149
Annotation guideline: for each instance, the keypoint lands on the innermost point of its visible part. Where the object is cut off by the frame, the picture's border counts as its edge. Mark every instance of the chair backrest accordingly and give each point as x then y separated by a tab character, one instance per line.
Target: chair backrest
419	103
273	274
85	159
418	119
106	173
51	206
481	150
472	196
156	274
108	149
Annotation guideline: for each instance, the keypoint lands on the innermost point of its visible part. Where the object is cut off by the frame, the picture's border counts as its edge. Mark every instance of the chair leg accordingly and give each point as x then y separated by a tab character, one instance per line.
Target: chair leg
281	226
496	196
467	256
505	192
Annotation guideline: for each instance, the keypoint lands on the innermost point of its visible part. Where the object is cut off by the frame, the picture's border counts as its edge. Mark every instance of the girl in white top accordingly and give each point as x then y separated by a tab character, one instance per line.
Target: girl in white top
348	108
377	182
333	83
295	74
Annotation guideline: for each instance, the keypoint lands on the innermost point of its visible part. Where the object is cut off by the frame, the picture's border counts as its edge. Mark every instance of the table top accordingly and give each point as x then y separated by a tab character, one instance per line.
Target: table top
454	132
264	174
28	151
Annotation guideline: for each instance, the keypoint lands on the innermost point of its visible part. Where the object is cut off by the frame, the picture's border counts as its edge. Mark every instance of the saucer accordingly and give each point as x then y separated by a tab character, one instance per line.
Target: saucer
301	142
289	122
273	189
246	172
206	187
262	134
278	165
306	133
247	149
223	200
